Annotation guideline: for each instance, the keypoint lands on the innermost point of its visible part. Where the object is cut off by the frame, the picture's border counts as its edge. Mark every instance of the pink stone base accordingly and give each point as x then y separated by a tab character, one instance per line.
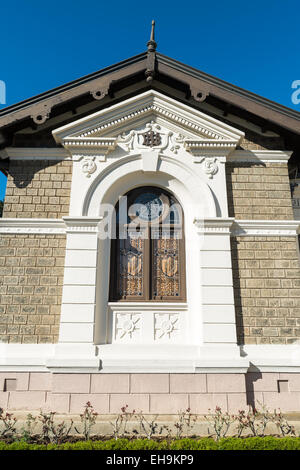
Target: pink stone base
149	393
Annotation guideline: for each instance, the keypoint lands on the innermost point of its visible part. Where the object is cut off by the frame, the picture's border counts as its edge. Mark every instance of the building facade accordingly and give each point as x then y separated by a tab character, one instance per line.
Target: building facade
160	322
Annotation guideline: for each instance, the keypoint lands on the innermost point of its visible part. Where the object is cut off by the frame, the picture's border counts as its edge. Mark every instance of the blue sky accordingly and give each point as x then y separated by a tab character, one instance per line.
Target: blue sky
254	45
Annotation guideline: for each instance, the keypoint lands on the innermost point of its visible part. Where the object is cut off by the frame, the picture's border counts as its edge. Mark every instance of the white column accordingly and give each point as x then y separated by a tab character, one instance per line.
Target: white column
218	312
76	334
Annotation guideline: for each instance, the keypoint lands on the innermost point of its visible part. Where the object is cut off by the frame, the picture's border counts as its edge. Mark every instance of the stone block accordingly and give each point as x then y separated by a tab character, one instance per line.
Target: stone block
109	383
137	402
58	402
99	401
236	402
71	383
188	383
163	403
26	400
40	381
262	382
201	403
287	402
293	380
225	383
4	400
21	377
149	383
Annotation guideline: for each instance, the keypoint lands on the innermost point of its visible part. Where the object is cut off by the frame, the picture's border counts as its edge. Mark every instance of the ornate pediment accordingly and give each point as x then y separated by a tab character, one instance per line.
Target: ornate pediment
149	121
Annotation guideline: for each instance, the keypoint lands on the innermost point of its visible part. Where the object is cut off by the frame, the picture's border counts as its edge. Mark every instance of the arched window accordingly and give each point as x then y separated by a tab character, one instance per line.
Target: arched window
147	255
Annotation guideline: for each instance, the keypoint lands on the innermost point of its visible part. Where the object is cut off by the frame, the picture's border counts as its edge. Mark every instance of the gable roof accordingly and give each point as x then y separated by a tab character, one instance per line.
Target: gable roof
198	87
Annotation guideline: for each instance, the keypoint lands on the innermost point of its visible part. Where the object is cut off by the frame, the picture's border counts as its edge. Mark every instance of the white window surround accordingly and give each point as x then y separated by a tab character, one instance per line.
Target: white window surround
191	165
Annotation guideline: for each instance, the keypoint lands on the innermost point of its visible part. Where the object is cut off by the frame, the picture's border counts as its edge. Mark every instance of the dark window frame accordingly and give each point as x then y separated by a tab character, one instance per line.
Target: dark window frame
148	261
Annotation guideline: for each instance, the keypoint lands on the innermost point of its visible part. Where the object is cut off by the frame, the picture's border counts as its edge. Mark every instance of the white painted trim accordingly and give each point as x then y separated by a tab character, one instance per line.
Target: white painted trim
109	358
273	358
58	153
149	305
209	226
260	156
284	228
147	103
214	225
81	224
29	226
35	153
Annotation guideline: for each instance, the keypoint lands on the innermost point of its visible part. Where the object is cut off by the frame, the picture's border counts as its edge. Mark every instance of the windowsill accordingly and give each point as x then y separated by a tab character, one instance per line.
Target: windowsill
149	305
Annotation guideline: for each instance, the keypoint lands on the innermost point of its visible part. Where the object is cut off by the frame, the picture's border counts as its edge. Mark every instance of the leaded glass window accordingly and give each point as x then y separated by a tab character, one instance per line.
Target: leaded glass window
147	259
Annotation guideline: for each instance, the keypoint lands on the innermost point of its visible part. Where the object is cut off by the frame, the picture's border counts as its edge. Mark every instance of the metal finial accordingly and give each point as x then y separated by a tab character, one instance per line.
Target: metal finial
152	44
152	31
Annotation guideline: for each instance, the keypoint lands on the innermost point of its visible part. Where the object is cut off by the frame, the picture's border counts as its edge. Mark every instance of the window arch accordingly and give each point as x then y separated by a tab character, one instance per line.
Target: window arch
148	253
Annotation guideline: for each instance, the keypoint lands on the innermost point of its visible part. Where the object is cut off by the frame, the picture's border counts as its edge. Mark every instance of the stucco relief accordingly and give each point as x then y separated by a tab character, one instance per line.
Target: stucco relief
127	326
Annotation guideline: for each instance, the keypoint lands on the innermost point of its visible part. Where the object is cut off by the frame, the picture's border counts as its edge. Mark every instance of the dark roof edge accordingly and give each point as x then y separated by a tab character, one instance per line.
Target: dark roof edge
210	79
74	83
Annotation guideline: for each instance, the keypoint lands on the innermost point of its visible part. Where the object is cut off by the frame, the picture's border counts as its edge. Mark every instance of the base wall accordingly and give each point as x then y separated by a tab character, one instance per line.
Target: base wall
149	393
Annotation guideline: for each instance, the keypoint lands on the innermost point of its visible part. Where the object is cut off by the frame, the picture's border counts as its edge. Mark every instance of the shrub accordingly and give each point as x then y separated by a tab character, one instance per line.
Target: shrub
228	443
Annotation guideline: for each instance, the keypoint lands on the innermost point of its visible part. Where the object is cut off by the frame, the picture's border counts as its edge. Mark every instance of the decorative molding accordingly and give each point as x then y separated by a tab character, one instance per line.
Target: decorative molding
82	224
196	146
100	93
159	110
214	225
260	156
210	131
218	225
72	358
284	228
30	226
49	226
135	140
35	153
197	94
148	306
41	112
93	145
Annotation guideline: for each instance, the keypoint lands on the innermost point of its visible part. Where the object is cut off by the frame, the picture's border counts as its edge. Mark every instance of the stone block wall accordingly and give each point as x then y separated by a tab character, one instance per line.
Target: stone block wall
259	191
31	278
266	276
163	394
38	189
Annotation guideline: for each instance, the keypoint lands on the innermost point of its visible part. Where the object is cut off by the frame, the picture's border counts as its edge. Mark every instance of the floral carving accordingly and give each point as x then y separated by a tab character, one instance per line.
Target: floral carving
166	325
127	325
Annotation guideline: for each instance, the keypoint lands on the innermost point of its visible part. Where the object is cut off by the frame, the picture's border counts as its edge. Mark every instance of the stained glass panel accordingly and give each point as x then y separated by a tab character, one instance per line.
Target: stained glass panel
166	265
131	265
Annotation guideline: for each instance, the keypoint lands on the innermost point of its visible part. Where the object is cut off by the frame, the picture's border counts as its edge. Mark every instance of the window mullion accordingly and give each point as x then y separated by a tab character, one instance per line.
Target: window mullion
147	265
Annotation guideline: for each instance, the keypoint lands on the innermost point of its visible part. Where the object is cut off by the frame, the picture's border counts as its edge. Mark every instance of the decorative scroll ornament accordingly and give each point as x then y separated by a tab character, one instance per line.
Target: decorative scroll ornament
101	92
41	113
88	167
151	136
210	166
